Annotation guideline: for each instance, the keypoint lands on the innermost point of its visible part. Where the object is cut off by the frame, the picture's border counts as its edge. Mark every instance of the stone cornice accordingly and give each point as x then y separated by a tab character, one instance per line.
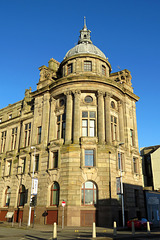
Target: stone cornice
95	79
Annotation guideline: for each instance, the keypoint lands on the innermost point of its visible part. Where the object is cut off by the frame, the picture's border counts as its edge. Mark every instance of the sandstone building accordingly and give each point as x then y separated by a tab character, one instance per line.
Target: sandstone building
77	120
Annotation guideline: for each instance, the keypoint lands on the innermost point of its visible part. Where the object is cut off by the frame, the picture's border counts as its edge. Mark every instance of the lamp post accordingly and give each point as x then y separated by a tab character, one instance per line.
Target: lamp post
29	217
122	196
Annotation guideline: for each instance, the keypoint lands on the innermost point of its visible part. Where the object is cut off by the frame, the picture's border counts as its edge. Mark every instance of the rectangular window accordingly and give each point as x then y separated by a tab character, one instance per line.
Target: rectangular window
87	66
0	120
120	161
89	158
114	128
88	124
36	166
27	134
70	68
39	134
61	126
13	138
23	164
3	140
8	167
135	165
10	116
54	160
131	137
103	70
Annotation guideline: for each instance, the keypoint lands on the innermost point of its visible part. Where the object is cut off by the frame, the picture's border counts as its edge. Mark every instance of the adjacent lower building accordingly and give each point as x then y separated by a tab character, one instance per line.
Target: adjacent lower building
78	134
151	173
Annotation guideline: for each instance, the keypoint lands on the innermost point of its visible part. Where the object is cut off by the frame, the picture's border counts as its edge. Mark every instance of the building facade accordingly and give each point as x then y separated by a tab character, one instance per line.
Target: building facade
78	133
151	172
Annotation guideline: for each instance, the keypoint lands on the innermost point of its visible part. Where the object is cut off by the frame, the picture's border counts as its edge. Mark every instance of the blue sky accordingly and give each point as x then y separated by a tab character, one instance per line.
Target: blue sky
127	31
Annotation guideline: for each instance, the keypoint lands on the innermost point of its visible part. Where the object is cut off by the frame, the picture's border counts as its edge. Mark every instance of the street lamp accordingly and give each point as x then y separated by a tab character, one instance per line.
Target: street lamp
122	196
29	217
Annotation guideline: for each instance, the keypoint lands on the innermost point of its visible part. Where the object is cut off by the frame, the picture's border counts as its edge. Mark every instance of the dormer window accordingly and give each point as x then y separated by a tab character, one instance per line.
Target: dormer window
10	116
70	68
87	66
0	120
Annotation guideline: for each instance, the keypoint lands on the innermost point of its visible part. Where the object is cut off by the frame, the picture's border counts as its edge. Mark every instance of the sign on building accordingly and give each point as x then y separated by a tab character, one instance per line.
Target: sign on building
34	186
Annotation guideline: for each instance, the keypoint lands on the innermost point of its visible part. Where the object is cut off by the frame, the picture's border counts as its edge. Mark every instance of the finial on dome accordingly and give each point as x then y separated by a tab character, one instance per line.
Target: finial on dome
85	34
84	23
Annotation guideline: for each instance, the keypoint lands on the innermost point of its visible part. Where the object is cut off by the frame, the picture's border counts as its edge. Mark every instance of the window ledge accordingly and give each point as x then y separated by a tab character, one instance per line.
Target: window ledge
89	169
92	140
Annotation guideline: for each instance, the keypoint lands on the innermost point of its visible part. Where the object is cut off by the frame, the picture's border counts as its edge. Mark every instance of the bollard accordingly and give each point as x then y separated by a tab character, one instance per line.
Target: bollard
133	229
114	229
20	222
148	228
94	230
13	221
54	231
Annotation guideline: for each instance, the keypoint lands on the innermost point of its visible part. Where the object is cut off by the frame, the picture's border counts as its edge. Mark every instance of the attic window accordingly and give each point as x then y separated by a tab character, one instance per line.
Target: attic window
70	68
0	120
87	66
103	70
10	116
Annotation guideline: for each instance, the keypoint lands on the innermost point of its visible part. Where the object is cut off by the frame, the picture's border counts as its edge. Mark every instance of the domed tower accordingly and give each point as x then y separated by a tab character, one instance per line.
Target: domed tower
95	61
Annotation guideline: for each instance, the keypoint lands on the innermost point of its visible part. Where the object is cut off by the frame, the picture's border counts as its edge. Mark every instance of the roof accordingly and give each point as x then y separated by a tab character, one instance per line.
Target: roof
85	45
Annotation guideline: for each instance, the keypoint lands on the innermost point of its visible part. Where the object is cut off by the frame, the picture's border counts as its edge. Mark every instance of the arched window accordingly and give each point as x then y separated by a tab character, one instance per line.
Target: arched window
7	196
89	193
54	200
22	193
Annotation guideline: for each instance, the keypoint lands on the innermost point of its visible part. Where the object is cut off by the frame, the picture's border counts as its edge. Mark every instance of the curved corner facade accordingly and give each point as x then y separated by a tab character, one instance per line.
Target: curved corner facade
81	121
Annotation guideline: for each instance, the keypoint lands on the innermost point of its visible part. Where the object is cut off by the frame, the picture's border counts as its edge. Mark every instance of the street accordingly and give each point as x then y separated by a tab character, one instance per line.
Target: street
46	233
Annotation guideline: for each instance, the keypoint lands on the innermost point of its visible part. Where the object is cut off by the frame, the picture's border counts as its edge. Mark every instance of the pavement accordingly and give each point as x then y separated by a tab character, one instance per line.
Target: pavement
45	232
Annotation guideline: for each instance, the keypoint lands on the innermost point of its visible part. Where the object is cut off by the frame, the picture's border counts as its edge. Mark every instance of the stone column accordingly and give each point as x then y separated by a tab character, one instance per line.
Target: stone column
121	122
52	127
101	128
76	115
68	130
108	118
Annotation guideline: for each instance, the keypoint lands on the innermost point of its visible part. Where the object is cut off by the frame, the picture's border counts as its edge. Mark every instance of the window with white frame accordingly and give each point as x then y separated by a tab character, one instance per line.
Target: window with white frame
114	128
89	159
88	123
13	138
3	140
61	123
88	193
27	134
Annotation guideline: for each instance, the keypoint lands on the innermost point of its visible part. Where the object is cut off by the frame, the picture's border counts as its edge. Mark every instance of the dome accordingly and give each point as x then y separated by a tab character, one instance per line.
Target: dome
84	45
